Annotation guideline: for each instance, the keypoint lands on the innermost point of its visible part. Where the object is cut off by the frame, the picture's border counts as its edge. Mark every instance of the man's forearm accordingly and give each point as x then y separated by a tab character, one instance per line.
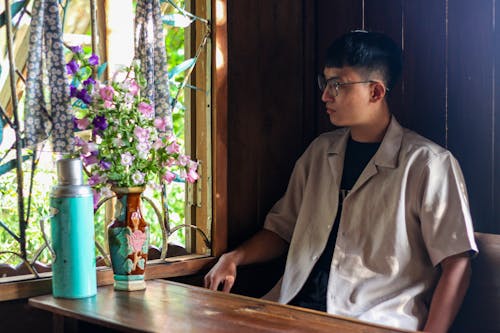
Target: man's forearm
449	293
263	246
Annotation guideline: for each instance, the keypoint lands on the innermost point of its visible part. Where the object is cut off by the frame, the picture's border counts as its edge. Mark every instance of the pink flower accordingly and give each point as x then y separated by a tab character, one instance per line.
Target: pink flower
142	134
82	124
173	148
168	177
146	109
162	123
171	161
127	159
133	88
89	148
183	160
108	104
107	93
191	176
158	144
136	240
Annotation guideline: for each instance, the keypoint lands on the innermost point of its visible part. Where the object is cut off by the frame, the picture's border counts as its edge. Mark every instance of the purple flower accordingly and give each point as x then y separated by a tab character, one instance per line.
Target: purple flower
73	91
72	67
97	197
105	165
95	179
84	96
76	49
90	80
93	59
78	141
100	123
90	159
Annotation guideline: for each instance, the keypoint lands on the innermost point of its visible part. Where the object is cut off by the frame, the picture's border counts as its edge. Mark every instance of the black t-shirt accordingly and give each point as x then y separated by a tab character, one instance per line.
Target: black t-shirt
313	293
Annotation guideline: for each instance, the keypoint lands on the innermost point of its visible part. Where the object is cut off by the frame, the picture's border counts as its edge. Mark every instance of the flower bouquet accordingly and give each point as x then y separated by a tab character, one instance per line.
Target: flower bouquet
126	143
125	147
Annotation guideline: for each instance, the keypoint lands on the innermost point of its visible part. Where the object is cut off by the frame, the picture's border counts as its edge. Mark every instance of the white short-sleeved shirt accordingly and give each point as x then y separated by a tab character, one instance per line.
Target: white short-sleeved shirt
406	213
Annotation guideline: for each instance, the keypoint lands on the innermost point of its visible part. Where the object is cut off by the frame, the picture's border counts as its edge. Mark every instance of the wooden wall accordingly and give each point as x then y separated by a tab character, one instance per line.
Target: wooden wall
449	92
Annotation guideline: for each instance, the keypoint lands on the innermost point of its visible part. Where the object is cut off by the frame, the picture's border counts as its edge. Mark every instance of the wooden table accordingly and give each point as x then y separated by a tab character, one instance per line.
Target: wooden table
167	306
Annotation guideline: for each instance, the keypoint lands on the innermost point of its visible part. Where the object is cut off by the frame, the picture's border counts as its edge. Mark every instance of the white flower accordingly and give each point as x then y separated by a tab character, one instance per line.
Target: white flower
138	178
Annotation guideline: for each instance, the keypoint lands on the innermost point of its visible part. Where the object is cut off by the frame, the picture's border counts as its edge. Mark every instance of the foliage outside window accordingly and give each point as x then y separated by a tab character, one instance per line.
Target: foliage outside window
75	14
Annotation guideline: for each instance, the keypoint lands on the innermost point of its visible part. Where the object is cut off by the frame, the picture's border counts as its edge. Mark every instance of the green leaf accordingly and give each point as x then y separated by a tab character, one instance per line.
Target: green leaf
100	69
78	103
177	20
186	64
14	9
2	124
6	167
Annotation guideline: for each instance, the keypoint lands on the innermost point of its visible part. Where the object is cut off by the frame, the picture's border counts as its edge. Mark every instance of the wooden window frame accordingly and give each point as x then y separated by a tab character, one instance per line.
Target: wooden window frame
191	264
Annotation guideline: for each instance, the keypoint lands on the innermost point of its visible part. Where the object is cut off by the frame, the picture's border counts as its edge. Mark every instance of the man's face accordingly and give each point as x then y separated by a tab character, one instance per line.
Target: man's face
350	105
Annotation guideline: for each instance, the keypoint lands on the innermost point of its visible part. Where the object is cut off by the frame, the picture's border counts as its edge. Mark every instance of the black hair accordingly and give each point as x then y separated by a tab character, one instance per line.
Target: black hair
372	51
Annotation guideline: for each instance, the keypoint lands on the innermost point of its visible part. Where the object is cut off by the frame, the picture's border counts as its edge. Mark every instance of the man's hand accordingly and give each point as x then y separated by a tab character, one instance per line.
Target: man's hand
263	246
223	273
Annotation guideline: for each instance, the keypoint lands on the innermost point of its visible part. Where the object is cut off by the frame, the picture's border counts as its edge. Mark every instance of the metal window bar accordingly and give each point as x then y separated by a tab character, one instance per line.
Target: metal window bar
14	123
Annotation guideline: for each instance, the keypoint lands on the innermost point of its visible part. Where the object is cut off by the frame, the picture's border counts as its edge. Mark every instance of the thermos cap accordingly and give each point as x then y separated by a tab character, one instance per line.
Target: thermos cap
70	171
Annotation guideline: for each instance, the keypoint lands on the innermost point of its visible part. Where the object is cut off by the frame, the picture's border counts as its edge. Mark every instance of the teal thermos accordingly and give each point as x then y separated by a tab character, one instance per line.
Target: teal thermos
72	229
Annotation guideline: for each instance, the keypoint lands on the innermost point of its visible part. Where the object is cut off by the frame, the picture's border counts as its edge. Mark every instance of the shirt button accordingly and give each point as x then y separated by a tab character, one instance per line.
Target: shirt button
328	226
314	257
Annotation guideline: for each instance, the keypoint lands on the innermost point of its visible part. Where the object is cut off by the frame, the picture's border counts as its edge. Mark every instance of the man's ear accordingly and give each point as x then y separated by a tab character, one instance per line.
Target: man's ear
378	92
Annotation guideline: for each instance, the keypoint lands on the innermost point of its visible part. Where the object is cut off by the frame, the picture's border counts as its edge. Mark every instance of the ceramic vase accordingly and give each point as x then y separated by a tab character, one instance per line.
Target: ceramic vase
128	239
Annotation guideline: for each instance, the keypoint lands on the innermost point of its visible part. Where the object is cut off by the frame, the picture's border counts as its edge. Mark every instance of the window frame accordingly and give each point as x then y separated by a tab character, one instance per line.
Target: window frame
195	263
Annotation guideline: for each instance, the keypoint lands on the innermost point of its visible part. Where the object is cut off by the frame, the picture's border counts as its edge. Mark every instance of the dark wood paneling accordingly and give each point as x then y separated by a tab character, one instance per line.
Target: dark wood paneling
265	117
18	316
496	135
387	17
470	102
424	68
334	19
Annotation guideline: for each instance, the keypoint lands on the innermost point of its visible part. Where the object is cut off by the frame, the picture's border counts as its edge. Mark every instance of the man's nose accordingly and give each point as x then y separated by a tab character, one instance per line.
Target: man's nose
327	96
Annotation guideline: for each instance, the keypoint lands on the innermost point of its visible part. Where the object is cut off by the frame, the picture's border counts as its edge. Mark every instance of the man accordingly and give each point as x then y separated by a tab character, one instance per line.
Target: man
375	217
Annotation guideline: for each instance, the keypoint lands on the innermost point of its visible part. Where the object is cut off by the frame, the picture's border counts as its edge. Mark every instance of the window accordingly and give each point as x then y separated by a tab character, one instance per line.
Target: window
205	107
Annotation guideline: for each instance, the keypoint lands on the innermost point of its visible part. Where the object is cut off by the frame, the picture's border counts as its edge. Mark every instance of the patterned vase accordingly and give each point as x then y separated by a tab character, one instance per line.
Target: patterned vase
128	238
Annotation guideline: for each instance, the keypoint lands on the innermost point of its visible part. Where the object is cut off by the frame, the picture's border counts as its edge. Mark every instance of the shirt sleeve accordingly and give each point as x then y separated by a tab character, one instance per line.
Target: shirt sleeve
282	217
445	217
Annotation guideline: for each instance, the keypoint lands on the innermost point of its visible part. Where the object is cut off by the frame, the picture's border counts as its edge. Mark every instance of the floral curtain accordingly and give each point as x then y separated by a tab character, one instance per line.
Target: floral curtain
150	50
46	55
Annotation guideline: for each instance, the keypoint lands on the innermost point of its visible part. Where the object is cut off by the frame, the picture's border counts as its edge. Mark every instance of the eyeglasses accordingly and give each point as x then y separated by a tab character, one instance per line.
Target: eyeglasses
334	86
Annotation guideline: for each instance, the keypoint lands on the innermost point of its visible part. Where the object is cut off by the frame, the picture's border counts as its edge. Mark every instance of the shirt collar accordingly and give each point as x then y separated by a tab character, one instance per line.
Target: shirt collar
388	152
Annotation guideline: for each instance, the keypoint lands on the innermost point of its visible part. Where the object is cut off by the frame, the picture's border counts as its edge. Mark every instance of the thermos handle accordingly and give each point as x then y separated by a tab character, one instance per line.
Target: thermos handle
47	243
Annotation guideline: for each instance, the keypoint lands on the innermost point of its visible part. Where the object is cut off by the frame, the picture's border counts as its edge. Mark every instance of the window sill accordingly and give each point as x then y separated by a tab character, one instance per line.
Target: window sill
12	288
